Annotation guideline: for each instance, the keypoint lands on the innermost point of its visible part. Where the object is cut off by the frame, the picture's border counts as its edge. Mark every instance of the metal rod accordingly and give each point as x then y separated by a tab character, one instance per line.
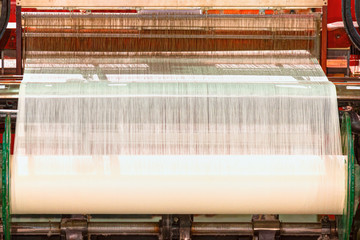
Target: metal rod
139	35
241	229
98	228
29	15
300	54
302	229
349	98
41	228
13	111
286	229
8	111
152	228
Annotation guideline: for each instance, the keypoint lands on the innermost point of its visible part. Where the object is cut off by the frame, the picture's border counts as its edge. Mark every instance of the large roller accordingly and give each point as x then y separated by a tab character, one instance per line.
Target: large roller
236	143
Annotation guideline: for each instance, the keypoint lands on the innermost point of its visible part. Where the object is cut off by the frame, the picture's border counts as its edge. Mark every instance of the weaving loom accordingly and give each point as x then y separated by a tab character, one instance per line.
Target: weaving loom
174	120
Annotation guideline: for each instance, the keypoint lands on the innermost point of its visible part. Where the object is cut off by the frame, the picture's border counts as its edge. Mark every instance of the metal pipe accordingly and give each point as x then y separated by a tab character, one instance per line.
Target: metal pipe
300	54
340	97
152	228
99	228
348	98
140	35
8	111
245	229
241	229
40	228
94	228
74	15
302	229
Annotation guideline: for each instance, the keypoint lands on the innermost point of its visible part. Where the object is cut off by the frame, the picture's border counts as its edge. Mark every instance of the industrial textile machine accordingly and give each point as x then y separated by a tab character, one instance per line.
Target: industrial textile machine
112	141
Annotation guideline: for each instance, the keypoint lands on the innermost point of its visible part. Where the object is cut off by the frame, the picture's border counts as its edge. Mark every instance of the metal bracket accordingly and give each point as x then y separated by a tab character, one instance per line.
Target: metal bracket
175	227
185	222
74	228
165	225
266	227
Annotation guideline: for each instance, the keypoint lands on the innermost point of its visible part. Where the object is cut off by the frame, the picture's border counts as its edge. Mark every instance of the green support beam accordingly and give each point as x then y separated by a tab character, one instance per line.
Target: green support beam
6	178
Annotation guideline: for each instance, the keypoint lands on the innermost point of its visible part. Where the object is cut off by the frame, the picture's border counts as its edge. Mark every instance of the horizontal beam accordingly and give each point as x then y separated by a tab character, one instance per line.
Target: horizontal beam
171	3
149	228
53	22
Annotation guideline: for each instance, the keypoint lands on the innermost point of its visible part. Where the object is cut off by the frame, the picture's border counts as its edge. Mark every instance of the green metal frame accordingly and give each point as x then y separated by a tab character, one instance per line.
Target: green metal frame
345	221
6	221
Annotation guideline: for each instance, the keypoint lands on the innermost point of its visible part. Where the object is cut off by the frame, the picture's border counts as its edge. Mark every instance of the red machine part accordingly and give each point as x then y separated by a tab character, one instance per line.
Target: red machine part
9	39
337	37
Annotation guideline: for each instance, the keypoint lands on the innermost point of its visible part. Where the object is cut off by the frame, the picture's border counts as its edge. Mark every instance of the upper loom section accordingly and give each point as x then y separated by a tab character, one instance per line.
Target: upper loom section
172	3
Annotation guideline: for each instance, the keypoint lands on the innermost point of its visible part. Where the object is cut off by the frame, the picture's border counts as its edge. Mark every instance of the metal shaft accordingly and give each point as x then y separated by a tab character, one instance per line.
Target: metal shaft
146	228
